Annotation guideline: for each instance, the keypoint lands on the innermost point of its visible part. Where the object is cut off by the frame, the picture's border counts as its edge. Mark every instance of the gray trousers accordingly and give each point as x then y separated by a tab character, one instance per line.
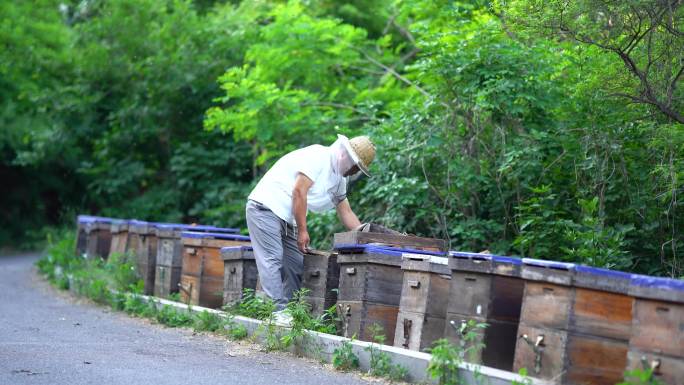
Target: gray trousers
279	261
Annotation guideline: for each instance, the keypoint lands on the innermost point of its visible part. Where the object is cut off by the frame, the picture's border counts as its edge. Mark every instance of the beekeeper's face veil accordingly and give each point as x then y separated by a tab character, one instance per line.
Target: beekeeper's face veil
343	157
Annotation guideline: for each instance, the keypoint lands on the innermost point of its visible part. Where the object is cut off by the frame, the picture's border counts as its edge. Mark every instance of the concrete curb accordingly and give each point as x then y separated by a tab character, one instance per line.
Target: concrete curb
320	346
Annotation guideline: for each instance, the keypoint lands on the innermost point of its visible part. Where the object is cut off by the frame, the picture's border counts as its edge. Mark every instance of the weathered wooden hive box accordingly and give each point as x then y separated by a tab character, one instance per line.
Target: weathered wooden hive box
321	276
351	238
239	272
119	243
423	303
142	246
98	237
575	324
81	235
657	339
202	271
487	289
169	254
369	289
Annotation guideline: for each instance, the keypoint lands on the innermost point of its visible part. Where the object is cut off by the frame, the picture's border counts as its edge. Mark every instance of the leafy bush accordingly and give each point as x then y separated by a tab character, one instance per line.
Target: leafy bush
343	358
209	322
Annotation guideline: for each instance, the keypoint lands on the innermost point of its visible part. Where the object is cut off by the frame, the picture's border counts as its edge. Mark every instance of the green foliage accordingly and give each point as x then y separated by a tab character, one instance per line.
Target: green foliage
236	332
253	306
343	357
209	322
380	362
542	128
448	357
444	363
640	377
170	316
524	379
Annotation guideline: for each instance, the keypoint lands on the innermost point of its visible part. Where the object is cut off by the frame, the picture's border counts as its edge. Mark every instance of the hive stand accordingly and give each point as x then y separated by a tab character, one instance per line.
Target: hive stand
487	289
657	339
239	272
575	324
169	254
370	289
423	303
202	271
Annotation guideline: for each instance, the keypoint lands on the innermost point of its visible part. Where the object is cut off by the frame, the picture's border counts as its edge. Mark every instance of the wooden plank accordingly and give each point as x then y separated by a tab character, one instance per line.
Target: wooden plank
166	280
658	327
212	263
169	252
238	275
415	331
211	292
401	241
189	289
600	313
219	243
321	275
469	294
415	292
667	370
546	305
119	242
594	361
552	356
192	260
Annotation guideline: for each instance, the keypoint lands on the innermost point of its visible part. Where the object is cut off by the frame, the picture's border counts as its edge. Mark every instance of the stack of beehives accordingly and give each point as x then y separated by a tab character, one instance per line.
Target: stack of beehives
563	322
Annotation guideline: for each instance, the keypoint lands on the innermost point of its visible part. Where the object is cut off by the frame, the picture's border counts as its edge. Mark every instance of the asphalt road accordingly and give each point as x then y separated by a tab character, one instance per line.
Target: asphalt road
49	337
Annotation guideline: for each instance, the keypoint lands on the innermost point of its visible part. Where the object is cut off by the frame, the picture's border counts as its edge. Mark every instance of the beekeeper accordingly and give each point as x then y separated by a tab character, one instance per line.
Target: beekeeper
312	178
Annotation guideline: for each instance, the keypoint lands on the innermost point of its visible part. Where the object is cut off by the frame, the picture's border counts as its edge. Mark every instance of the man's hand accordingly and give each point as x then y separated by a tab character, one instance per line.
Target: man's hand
303	241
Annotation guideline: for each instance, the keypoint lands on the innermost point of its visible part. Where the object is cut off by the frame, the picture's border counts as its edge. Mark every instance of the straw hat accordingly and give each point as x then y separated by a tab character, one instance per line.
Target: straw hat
364	150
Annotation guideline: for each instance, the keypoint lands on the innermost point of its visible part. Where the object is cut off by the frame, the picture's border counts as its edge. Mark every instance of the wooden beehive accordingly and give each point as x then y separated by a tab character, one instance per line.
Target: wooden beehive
423	303
369	289
81	235
142	246
575	323
119	243
321	276
657	338
169	254
485	289
202	271
98	237
239	272
352	238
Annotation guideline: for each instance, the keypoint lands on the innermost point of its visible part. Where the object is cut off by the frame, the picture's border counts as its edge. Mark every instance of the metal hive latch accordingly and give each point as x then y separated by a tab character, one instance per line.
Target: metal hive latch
345	314
538	348
407	331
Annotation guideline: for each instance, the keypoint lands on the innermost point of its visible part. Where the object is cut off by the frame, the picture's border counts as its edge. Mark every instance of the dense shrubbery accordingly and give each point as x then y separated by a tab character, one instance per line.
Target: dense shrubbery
498	127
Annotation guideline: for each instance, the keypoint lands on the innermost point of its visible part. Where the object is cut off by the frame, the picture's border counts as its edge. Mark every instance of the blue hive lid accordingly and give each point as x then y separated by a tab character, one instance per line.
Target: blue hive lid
662	283
583	269
237	248
549	264
203	228
197	234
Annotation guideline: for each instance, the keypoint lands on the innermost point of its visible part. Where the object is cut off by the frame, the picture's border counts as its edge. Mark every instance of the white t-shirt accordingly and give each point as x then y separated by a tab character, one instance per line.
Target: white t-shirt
274	190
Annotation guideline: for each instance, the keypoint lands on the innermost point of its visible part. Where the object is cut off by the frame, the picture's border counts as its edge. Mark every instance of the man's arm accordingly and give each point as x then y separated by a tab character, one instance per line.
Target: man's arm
299	207
347	216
